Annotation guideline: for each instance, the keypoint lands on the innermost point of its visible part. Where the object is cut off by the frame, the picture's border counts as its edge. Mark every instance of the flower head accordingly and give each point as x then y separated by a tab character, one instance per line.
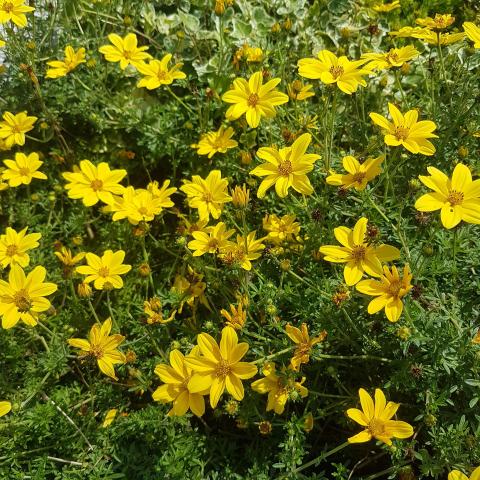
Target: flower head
253	99
389	291
23	297
473	33
437	38
157	73
125	51
387	7
60	68
457	475
458	198
406	131
14	11
105	271
207	195
357	253
153	309
23	169
279	386
287	167
358	174
376	418
303	342
140	205
395	57
215	142
14	246
94	183
244	251
102	347
14	127
219	367
176	377
237	316
298	91
439	22
329	68
211	240
240	196
280	229
191	287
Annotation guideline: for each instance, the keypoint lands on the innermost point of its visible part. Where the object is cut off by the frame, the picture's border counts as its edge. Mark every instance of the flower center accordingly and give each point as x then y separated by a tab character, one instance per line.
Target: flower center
143	210
22	301
252	100
96	185
394	288
392	57
455	198
103	272
212	244
207	197
358	253
223	369
24	171
401	132
359	177
336	71
8	7
96	351
162	75
376	428
285	168
11	250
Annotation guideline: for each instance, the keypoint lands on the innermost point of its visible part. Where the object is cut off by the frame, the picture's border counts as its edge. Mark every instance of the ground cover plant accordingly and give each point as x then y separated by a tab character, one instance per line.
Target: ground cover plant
239	239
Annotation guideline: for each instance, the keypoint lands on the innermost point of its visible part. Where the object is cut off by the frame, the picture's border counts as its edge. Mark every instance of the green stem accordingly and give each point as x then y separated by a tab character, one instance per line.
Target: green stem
321	457
179	100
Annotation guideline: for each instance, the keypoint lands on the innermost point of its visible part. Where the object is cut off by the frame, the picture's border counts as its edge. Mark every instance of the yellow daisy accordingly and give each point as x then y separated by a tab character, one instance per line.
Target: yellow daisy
14	246
125	51
303	342
212	240
395	57
406	131
14	11
60	68
14	127
215	142
156	73
473	33
358	174
23	169
243	251
287	167
253	99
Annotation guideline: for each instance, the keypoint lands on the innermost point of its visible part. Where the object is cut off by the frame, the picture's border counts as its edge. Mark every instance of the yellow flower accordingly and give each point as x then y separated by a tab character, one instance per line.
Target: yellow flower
14	127
157	73
405	32
304	344
109	417
215	142
23	169
190	287
23	298
406	131
280	387
287	167
212	240
240	196
439	22
360	257
458	198
176	378
244	251
60	68
437	38
254	99
105	271
139	205
14	11
66	257
329	68
207	195
457	475
237	316
297	90
387	7
219	367
473	33
280	229
125	51
5	407
376	418
14	246
254	54
94	183
153	309
102	346
389	291
358	174
396	57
